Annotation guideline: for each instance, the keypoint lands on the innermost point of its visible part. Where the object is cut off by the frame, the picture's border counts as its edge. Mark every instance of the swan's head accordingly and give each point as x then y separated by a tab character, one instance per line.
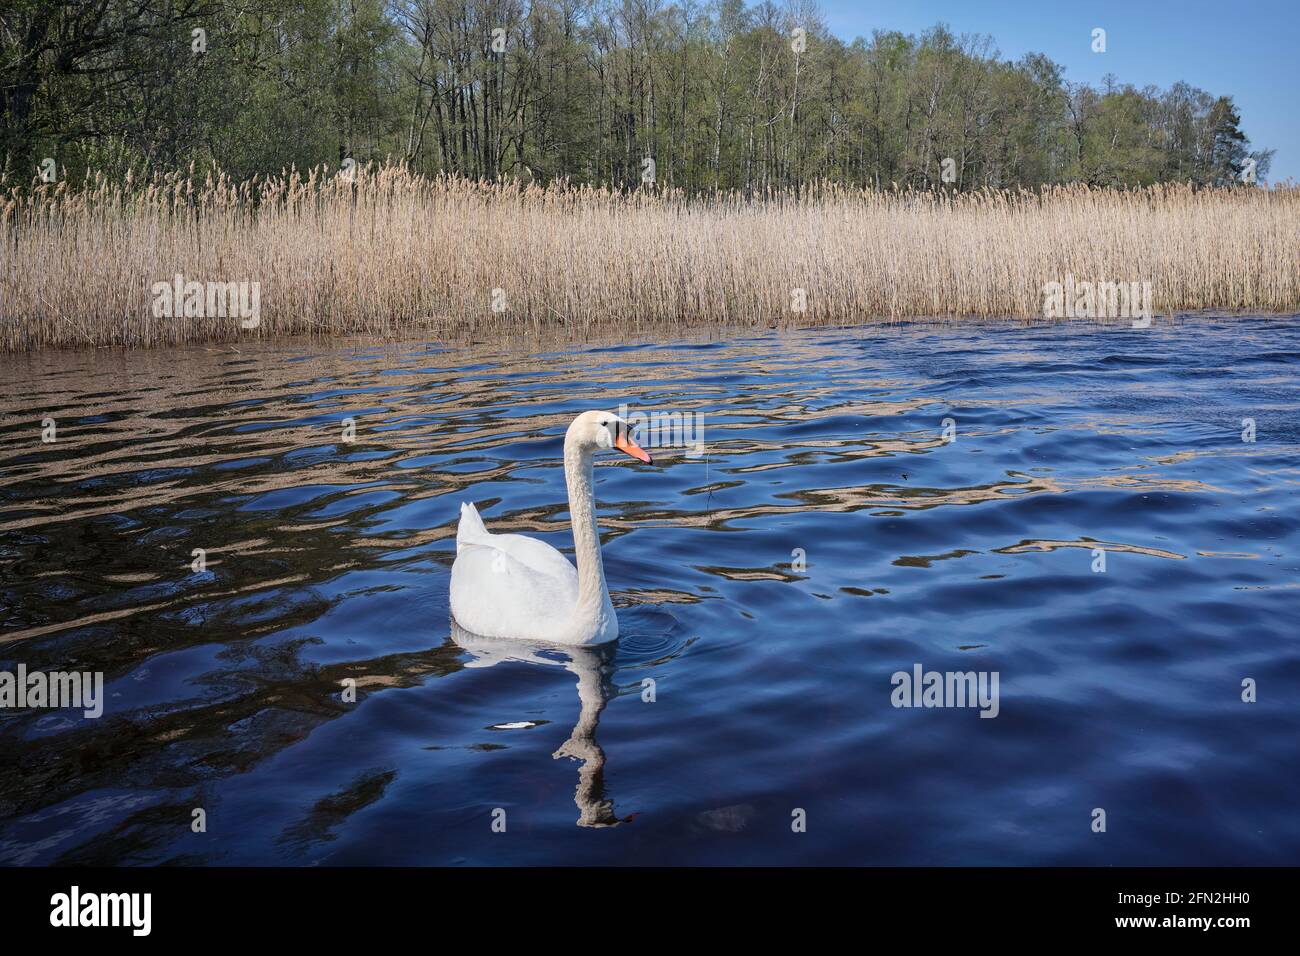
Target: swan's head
593	431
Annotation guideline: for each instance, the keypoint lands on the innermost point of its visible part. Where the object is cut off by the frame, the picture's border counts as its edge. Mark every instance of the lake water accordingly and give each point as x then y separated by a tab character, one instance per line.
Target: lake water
834	533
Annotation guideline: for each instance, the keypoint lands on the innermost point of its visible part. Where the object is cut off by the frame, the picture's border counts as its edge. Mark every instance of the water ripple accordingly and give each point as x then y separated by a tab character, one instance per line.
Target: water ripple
868	499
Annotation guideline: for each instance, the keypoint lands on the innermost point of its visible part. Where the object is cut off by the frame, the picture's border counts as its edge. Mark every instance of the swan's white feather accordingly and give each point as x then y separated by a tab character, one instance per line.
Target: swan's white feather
504	585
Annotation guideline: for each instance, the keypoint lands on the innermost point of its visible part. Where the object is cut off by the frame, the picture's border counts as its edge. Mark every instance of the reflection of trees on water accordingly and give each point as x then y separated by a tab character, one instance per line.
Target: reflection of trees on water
248	713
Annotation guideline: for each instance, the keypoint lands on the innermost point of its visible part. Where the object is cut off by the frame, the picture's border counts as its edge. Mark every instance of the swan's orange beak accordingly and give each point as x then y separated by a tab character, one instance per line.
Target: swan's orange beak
625	443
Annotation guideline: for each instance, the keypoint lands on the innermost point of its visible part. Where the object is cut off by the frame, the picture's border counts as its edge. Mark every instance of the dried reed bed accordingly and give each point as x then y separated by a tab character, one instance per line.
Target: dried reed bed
393	253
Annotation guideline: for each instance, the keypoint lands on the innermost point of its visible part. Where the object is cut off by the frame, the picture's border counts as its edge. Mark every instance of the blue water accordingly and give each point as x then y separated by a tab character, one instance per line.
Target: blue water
828	538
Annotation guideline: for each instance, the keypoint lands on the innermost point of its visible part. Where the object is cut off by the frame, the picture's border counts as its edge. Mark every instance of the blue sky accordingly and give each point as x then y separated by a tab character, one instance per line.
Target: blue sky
1249	49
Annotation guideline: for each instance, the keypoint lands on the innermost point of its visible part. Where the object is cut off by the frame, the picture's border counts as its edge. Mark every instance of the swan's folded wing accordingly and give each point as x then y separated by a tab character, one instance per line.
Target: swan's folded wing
496	594
537	555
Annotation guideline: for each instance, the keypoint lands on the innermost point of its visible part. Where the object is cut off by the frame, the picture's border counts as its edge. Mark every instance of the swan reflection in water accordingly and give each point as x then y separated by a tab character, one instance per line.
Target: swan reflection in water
594	667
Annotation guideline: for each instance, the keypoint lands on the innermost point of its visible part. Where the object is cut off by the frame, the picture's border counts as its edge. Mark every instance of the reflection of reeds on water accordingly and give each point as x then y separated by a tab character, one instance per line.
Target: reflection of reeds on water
394	254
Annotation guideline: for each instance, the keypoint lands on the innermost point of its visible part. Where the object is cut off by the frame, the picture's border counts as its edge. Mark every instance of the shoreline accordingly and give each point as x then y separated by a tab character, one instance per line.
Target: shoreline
559	337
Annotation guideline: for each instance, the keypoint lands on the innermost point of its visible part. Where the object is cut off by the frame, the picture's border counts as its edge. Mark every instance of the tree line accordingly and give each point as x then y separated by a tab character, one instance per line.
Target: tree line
624	93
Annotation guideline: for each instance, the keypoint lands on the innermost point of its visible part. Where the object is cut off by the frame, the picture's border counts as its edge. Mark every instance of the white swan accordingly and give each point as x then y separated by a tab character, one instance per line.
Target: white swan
511	586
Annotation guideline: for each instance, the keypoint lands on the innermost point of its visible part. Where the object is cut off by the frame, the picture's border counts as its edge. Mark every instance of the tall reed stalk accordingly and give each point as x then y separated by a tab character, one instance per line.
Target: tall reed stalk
392	253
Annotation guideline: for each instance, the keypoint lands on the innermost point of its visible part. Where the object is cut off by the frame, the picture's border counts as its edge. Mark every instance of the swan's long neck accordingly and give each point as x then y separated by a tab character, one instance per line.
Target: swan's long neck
586	537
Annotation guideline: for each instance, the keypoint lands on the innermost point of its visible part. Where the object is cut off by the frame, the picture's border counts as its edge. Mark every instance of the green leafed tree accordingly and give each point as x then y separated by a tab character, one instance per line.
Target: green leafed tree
691	94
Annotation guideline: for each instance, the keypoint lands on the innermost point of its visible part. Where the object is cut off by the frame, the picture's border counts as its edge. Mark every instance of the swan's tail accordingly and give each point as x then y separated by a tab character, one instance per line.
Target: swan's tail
471	529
